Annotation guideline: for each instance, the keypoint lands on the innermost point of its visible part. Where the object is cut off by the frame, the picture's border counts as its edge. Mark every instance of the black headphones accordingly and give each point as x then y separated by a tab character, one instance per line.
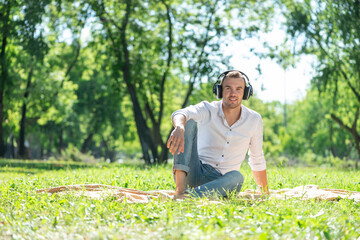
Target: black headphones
217	88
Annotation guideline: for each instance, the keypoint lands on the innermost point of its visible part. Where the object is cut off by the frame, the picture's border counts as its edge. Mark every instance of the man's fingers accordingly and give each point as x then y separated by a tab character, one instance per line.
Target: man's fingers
172	145
177	147
175	144
169	141
180	148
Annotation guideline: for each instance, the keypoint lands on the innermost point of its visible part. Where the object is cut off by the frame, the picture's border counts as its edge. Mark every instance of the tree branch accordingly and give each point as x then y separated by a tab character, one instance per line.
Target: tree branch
353	89
105	21
72	64
198	63
150	112
169	58
350	85
188	93
340	122
126	66
77	54
356	119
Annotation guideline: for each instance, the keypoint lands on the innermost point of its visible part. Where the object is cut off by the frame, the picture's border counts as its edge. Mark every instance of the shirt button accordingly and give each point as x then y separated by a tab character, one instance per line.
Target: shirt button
217	164
222	155
230	130
227	142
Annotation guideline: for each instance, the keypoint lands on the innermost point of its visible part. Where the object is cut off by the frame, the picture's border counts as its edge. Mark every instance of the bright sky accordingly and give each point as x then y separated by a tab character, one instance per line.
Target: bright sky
274	83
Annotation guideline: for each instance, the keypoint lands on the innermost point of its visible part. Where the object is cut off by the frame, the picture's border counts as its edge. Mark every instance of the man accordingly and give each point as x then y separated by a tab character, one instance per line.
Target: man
208	155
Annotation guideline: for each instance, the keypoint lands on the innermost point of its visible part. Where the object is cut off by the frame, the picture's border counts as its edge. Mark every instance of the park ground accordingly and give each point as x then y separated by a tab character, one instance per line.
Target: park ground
26	214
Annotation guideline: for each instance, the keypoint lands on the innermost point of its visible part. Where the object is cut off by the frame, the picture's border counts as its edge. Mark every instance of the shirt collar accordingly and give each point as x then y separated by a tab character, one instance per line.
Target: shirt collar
221	112
242	116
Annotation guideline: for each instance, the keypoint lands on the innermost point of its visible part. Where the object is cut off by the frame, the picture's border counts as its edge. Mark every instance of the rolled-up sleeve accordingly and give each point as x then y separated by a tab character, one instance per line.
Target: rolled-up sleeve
256	154
198	112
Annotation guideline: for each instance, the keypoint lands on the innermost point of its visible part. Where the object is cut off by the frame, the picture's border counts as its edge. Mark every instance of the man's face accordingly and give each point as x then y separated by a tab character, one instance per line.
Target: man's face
233	91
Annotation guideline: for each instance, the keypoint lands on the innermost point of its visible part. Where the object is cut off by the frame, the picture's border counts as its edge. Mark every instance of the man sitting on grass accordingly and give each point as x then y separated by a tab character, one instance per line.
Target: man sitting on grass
210	140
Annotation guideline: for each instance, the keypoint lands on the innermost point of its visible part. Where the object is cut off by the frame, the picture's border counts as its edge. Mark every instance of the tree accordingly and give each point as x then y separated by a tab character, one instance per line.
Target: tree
70	15
143	57
311	129
154	43
31	38
22	31
6	24
330	31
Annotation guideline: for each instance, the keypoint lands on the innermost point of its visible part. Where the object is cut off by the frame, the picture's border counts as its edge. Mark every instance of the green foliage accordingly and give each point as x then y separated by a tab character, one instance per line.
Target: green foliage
102	70
24	213
329	31
79	99
73	154
318	133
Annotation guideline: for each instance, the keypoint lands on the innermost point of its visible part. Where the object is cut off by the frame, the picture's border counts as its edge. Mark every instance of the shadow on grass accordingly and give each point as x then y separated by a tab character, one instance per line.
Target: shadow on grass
20	170
23	166
46	165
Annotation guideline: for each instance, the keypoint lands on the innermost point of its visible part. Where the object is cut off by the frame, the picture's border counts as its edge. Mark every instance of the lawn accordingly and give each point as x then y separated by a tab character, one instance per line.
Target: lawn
26	214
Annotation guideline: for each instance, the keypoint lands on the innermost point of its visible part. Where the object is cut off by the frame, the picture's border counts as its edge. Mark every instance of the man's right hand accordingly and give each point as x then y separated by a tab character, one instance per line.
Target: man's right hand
176	140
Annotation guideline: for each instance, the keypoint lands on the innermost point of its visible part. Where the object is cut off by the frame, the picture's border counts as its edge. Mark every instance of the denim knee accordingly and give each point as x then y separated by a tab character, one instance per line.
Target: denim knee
190	128
183	161
236	179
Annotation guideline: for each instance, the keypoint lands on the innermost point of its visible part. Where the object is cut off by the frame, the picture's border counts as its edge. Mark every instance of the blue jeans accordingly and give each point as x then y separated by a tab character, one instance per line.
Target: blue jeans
203	179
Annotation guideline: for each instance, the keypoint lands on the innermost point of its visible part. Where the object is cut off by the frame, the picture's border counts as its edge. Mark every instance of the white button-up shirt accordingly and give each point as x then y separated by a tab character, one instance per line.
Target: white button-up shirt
222	146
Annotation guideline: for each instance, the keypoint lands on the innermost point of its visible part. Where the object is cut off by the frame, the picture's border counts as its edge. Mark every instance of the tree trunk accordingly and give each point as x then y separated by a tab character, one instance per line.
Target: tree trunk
358	150
61	140
143	131
2	144
22	151
48	150
164	154
352	131
86	143
11	146
109	154
157	138
331	134
148	144
4	73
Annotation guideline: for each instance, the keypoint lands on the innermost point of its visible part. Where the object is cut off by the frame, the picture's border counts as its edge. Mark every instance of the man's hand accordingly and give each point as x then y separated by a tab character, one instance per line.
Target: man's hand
176	140
261	180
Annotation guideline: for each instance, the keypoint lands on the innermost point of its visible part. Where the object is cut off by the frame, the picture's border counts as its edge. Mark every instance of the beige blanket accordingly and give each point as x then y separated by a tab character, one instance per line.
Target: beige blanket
99	191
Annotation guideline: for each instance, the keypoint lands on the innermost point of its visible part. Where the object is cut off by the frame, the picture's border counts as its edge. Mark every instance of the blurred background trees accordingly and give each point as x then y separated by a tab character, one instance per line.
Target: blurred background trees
102	77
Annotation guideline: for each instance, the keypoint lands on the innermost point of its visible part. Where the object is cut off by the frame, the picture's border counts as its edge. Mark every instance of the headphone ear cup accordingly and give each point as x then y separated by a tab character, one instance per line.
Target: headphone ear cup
217	90
248	91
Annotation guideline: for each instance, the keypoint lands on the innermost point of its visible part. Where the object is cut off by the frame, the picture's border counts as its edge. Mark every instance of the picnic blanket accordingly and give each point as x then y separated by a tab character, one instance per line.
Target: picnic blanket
99	191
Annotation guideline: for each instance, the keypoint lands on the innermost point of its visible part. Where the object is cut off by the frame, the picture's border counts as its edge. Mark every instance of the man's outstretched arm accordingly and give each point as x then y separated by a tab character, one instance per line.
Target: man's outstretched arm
176	144
261	180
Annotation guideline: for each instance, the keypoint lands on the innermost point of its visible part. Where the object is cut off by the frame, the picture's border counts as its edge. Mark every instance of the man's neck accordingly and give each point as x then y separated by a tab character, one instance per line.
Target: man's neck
232	115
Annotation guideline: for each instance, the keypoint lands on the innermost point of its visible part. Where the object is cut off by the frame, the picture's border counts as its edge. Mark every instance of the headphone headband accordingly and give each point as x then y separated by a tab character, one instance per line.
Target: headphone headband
247	81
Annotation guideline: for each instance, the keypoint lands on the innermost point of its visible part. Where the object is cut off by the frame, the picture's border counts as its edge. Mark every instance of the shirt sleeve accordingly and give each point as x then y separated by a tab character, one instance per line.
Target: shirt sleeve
198	112
256	154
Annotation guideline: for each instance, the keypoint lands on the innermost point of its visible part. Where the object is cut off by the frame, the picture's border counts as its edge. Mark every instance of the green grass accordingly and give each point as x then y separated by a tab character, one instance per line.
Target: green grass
25	214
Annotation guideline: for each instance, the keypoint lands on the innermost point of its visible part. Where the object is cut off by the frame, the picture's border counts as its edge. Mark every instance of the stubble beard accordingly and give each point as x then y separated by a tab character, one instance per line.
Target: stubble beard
232	105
